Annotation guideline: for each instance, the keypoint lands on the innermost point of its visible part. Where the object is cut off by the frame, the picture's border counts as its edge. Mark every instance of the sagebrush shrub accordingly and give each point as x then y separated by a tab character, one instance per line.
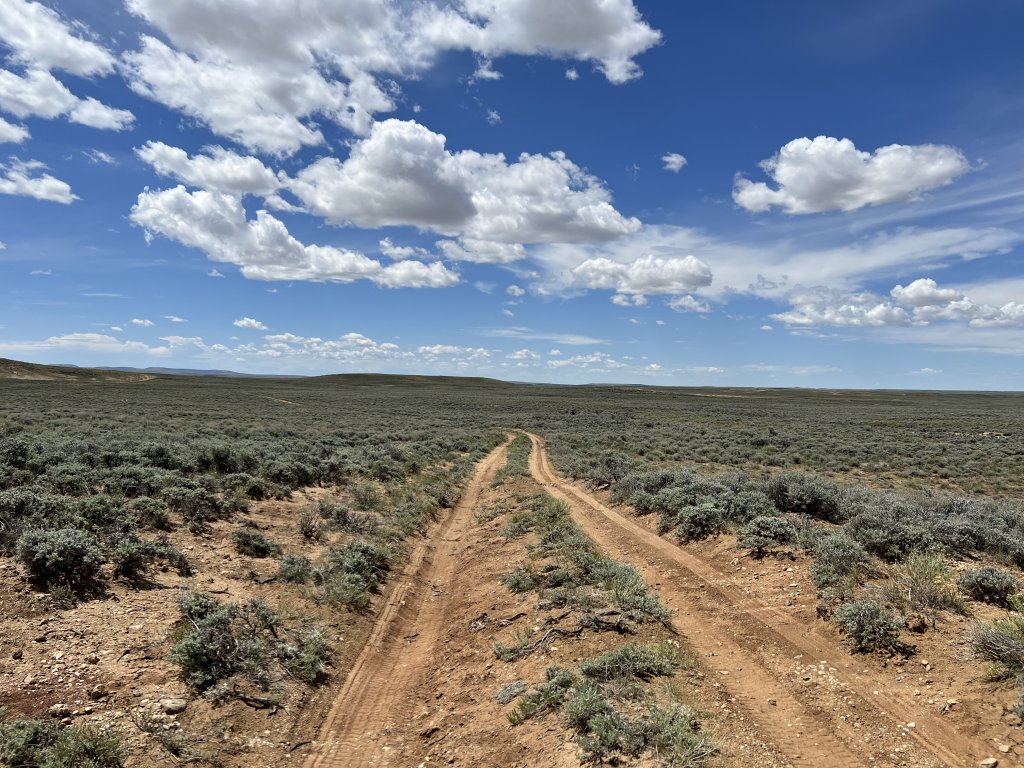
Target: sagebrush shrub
890	534
68	555
763	534
254	544
806	494
868	626
839	561
989	585
296	569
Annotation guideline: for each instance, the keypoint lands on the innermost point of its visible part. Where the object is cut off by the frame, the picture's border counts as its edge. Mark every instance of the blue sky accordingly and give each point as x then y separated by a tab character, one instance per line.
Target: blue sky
777	194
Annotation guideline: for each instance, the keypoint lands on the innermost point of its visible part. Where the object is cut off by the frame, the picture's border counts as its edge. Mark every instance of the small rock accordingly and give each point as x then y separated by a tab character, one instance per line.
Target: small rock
98	692
988	762
92	658
772	703
1004	748
17	654
173	706
59	711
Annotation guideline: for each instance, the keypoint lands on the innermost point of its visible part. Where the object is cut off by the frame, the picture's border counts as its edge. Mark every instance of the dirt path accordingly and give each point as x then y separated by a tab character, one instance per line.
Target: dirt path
837	717
396	656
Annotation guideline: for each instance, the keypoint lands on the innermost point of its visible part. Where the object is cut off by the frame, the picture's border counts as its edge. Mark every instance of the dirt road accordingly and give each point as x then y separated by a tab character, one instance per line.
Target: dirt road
839	716
396	656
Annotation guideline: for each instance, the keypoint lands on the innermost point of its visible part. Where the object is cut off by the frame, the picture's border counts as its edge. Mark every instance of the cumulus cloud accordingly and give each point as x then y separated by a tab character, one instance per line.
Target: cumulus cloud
515	291
920	303
673	161
393	251
402	174
688	304
38	93
41	41
175	319
218	169
25	178
595	361
263	78
11	133
609	33
37	35
249	323
216	223
523	355
142	322
829	174
649	274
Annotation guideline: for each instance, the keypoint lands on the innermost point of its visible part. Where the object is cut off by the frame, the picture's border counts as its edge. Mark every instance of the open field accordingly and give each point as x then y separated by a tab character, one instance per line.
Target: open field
375	570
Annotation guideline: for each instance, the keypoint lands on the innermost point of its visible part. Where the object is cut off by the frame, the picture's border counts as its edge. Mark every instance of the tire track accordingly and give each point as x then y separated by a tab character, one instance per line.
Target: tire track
740	633
395	656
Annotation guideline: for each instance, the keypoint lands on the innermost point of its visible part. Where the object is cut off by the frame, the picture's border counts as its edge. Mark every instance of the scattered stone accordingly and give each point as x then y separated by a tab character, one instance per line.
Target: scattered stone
173	706
989	762
508	692
98	692
17	654
59	711
92	658
772	703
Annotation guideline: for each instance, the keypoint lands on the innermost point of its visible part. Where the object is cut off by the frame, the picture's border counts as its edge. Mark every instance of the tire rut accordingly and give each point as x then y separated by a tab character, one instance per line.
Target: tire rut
739	636
396	655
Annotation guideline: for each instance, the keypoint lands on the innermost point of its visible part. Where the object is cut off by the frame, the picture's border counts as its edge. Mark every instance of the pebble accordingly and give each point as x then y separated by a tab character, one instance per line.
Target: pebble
59	711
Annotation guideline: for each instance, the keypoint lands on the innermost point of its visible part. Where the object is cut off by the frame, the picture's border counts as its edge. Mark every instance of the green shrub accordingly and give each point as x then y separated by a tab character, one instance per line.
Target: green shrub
632	661
307	659
254	544
921	584
39	744
131	557
806	494
699	521
839	561
585	703
1001	642
868	626
763	534
989	585
296	569
150	513
68	555
889	534
545	697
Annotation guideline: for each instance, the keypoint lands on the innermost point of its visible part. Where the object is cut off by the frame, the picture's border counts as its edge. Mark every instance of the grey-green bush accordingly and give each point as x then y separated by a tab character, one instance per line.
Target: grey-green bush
989	585
67	555
868	626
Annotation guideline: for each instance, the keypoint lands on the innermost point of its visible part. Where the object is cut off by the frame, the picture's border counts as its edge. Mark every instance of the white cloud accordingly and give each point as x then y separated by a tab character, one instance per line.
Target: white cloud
515	290
216	224
610	33
924	292
774	268
528	334
38	36
393	251
249	323
828	174
434	351
595	361
523	355
856	310
142	322
508	312
219	169
37	93
214	273
688	304
629	300
572	74
40	272
11	133
98	156
402	174
673	161
767	328
493	117
24	178
481	251
644	275
175	319
81	342
262	78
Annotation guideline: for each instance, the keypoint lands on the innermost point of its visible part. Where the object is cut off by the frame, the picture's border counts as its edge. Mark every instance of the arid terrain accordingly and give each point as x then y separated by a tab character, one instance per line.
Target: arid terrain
507	614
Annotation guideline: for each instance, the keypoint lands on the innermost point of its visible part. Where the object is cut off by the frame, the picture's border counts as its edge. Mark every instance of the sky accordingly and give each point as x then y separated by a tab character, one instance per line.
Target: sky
778	193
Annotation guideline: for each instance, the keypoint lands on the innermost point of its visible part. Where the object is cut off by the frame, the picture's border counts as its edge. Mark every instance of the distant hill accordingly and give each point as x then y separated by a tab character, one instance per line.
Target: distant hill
198	372
403	380
19	371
